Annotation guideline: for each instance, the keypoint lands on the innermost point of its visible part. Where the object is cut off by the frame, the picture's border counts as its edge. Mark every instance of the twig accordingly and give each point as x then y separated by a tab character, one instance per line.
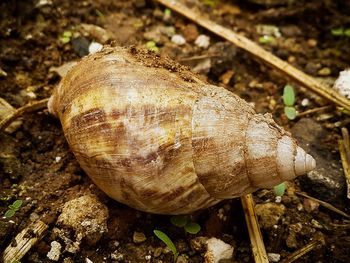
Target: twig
325	204
314	110
301	252
257	51
30	107
24	241
344	149
199	57
256	239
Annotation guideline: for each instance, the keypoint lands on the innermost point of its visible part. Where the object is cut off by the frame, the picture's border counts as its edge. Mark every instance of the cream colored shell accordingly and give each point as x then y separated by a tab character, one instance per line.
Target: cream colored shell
153	136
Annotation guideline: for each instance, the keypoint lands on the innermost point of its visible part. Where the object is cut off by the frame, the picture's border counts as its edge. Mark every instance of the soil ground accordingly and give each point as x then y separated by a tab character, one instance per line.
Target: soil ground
37	166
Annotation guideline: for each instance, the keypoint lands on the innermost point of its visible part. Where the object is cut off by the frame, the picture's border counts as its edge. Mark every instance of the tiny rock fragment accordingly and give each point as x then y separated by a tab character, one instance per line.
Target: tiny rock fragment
98	33
202	41
273	257
87	216
269	214
117	256
217	250
324	71
342	84
181	259
190	32
310	205
95	47
227	76
198	243
178	40
138	237
55	251
3	73
203	66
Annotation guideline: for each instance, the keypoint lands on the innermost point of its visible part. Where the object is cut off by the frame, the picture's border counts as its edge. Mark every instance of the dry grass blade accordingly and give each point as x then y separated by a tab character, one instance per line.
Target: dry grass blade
260	53
315	110
24	241
30	107
301	252
344	149
256	240
325	204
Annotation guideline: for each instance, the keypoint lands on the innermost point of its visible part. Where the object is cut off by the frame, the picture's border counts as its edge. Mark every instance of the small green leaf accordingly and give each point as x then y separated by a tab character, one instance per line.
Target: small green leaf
9	213
266	39
99	13
192	228
337	31
179	221
17	204
167	12
280	189
65	40
67	34
288	95
167	241
151	45
290	112
347	32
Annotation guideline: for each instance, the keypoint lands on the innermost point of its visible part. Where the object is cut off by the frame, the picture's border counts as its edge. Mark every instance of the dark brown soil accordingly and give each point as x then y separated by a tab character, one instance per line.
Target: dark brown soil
37	167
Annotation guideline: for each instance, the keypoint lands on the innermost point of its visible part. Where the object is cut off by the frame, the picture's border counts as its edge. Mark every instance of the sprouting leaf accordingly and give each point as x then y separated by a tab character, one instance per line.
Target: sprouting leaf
266	39
9	213
179	221
99	13
17	204
337	31
167	241
290	112
288	95
67	34
347	32
192	228
151	45
167	12
280	189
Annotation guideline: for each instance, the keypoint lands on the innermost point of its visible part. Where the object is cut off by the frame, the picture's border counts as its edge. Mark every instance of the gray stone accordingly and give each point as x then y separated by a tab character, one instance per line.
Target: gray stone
327	181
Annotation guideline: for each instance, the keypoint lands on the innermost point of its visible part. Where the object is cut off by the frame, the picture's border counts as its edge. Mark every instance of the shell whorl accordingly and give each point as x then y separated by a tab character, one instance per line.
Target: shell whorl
166	142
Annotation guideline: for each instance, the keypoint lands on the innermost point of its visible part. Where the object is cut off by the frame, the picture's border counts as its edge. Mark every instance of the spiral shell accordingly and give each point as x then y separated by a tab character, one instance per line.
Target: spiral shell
153	136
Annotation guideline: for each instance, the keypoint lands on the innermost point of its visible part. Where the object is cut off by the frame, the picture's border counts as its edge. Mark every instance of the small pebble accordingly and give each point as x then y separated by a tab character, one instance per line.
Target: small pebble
342	84
58	158
202	41
148	257
310	205
305	102
138	237
178	40
273	257
278	199
324	71
55	251
95	47
87	260
312	42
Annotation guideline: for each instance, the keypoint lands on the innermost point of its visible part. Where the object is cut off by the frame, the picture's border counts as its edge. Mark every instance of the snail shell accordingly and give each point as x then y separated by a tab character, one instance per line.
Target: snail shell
153	136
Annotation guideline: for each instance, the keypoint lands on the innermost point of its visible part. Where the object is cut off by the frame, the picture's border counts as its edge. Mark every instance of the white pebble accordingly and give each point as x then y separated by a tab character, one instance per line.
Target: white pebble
342	84
55	251
95	47
58	158
278	199
178	40
217	250
87	260
202	41
273	257
305	102
148	257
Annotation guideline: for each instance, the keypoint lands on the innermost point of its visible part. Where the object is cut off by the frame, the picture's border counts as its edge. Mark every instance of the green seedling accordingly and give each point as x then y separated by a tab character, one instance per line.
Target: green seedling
279	189
289	100
99	13
151	45
167	12
13	208
182	221
266	39
340	32
167	241
210	3
66	37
